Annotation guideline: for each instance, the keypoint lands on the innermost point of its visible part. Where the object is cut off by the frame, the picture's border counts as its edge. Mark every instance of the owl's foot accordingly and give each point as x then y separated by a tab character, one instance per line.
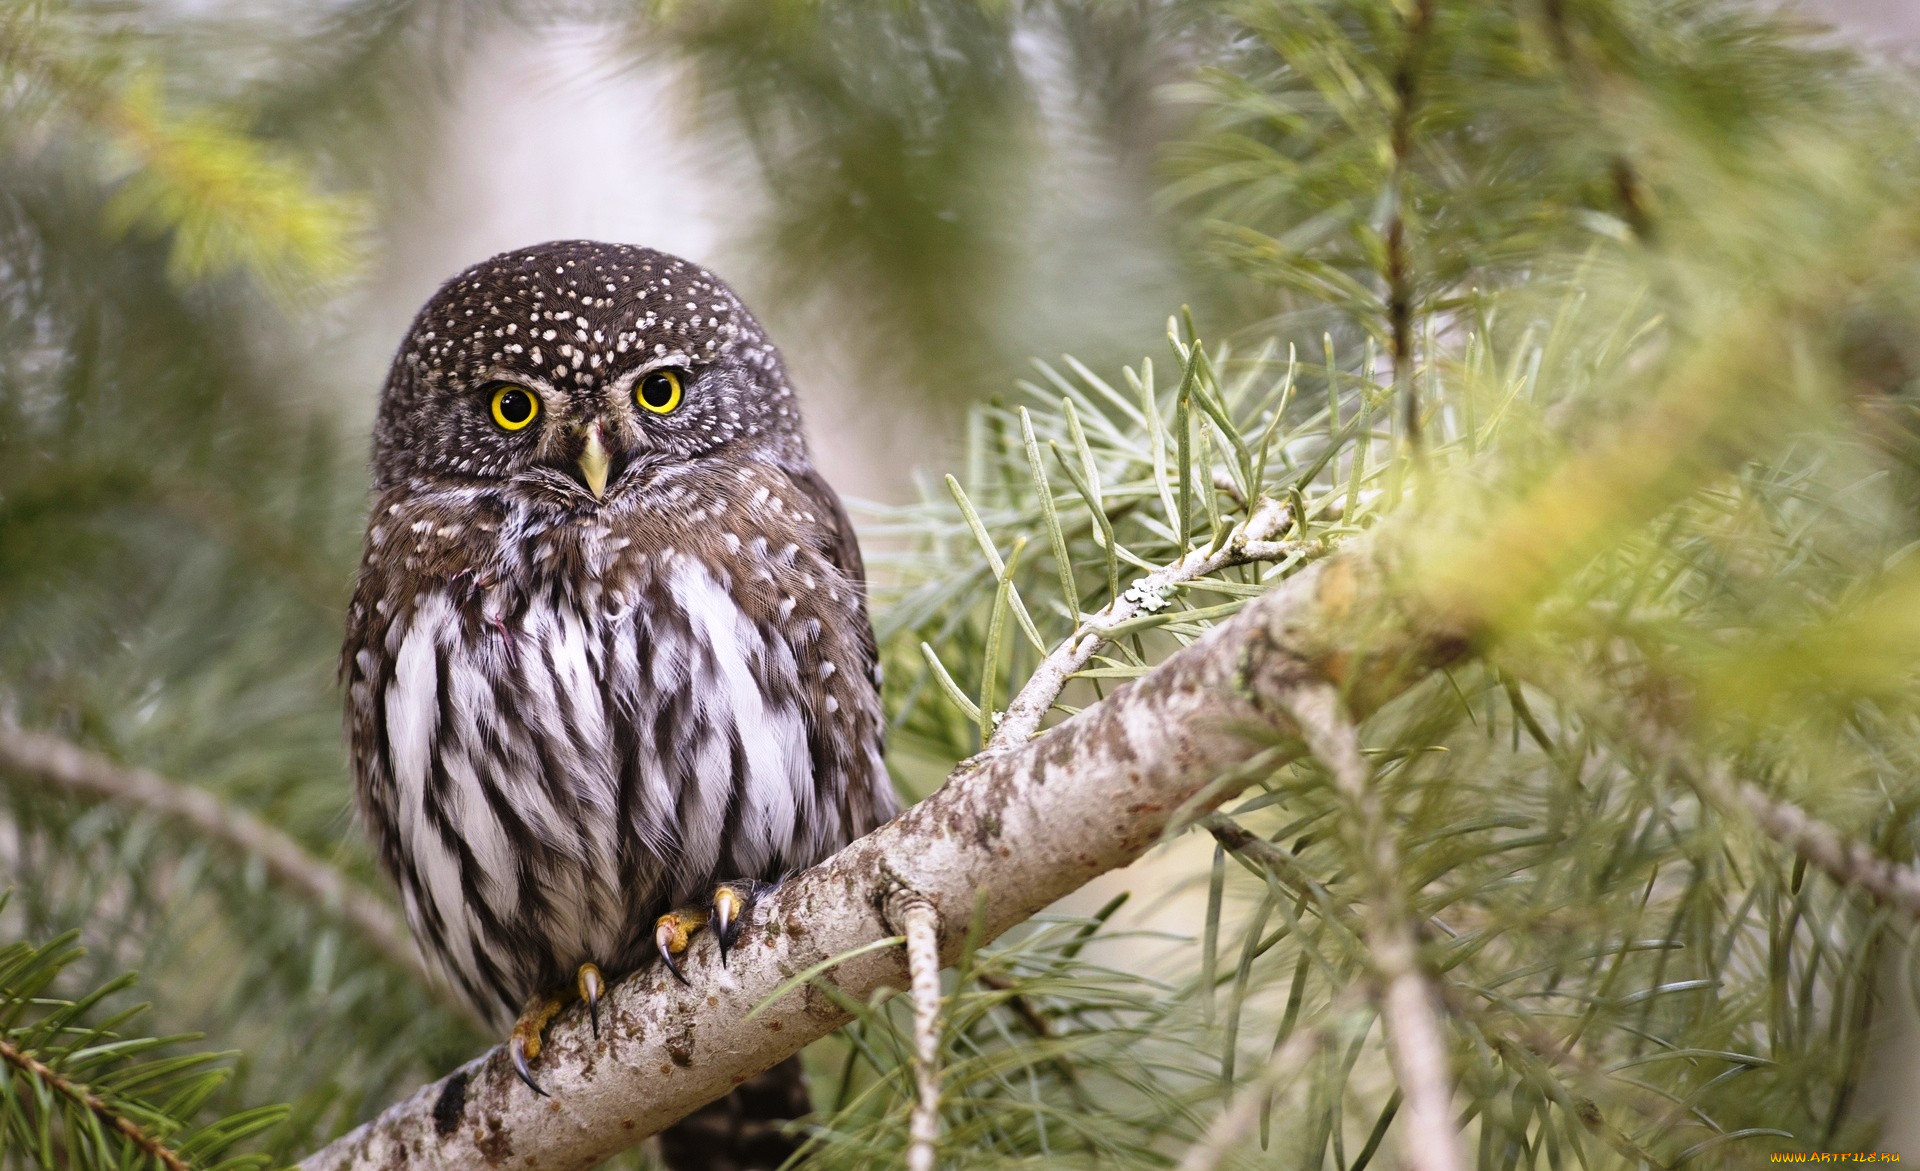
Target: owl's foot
526	1042
727	911
524	1045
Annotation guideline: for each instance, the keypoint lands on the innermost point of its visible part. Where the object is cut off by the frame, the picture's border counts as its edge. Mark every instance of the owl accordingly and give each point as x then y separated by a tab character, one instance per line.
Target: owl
608	666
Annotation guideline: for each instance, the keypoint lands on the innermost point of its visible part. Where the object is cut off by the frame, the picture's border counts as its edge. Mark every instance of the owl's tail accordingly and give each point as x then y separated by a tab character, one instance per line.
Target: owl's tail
743	1131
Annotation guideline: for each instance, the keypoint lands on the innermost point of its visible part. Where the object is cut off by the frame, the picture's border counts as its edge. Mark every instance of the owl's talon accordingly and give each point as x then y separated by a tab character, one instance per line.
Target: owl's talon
590	986
662	939
731	902
524	1045
518	1048
671	933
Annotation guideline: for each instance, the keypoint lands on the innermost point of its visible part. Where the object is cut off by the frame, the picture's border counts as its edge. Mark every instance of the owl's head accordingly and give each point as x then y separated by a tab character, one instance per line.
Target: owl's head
571	368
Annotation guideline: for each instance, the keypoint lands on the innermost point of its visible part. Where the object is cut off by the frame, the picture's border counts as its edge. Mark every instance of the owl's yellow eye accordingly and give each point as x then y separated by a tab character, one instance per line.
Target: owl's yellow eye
659	391
514	407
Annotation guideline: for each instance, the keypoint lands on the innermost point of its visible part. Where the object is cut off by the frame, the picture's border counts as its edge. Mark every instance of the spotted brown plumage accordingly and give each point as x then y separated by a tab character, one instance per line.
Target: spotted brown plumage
602	659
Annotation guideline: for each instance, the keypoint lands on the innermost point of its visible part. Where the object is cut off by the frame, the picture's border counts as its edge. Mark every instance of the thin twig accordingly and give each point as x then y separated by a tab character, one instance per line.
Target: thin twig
1399	276
914	917
1239	840
1840	857
1409	1000
126	1127
78	772
1022	1007
1237	1118
1843	859
1250	541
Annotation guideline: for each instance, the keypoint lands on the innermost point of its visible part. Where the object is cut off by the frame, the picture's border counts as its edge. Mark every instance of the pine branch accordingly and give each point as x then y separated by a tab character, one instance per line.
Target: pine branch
79	1095
79	1091
89	776
1408	998
1845	860
918	922
1399	274
1250	542
228	200
1004	838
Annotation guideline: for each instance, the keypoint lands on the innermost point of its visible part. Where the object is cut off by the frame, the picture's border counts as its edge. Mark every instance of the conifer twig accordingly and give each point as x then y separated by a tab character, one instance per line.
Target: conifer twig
1398	276
914	917
1846	860
99	1107
1230	1127
1409	1000
1251	541
1843	859
81	773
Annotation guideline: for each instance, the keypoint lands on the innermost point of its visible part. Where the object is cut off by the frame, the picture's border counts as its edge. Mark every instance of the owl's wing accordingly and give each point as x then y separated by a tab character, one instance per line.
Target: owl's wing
871	802
838	544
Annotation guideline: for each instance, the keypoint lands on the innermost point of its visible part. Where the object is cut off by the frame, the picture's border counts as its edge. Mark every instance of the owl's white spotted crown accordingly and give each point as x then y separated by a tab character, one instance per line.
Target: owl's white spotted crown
581	320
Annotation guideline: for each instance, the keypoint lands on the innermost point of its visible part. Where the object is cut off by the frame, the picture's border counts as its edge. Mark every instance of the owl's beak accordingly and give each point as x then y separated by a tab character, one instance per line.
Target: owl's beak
595	463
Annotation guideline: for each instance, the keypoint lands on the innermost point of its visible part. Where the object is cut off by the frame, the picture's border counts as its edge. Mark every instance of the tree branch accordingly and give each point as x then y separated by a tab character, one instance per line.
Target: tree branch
914	917
1251	541
99	1107
1237	1119
1008	835
1647	731
89	776
1843	859
1409	1001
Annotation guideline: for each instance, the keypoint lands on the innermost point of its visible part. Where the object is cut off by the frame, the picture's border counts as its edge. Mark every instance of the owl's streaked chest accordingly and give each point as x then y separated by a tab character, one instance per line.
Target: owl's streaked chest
565	732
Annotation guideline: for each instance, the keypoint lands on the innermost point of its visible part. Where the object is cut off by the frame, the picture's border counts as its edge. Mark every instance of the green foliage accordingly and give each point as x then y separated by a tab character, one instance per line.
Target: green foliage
1594	316
229	202
176	543
1048	1054
1642	461
80	1088
1632	977
893	134
955	182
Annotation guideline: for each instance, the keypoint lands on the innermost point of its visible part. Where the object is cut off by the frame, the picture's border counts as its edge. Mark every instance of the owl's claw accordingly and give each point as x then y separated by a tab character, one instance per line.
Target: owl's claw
524	1045
671	932
518	1048
731	903
590	985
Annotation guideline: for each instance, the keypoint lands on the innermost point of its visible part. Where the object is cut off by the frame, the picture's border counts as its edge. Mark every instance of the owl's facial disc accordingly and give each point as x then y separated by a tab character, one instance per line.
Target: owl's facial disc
511	366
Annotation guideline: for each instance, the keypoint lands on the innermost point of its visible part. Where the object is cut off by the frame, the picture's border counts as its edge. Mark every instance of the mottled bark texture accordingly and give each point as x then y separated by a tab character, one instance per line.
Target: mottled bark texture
1010	832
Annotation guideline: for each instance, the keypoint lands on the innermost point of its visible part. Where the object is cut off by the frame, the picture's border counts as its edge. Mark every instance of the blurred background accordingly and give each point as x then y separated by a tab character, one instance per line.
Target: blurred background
217	219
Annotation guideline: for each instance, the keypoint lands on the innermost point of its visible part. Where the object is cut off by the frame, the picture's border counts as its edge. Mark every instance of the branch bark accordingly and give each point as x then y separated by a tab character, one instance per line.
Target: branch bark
1010	833
89	776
